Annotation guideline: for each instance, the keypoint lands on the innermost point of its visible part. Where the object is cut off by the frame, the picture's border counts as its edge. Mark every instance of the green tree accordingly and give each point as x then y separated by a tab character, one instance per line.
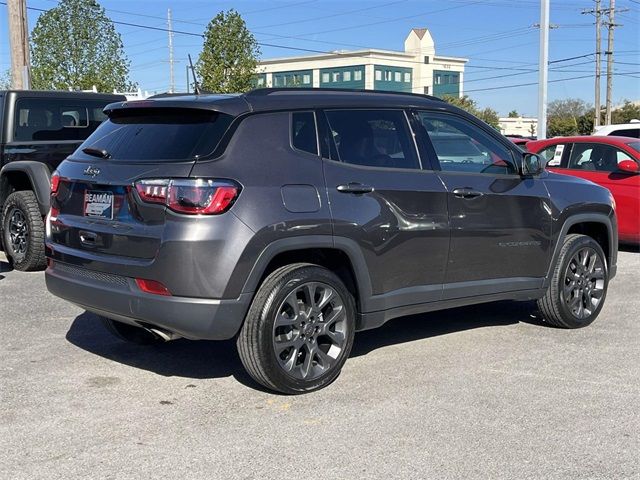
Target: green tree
229	56
487	115
561	127
568	107
76	45
627	112
514	114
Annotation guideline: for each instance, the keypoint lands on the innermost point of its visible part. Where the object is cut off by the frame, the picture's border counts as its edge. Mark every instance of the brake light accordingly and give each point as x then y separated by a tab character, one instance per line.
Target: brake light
55	183
190	196
152	286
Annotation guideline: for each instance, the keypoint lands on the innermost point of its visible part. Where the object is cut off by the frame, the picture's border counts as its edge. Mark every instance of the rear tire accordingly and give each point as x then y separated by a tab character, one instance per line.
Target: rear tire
130	333
578	286
23	232
299	330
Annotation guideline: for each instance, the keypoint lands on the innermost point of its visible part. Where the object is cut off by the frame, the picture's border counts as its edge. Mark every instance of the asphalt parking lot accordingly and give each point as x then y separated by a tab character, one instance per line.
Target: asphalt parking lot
482	392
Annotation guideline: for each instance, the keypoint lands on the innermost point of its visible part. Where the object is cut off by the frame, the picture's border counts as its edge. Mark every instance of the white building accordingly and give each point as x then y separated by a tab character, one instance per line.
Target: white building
417	69
522	126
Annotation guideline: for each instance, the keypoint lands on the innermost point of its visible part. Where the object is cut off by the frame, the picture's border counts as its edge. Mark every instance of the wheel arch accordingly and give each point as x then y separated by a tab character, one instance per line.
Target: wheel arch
340	255
595	225
26	175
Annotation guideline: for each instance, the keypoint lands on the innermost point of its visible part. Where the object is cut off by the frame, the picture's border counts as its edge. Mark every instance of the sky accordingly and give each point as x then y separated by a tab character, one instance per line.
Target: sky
499	37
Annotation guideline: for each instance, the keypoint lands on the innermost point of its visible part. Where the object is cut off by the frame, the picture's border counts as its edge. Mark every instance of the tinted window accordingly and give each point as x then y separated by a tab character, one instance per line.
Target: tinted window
48	119
158	134
634	145
629	132
462	147
303	132
376	138
596	157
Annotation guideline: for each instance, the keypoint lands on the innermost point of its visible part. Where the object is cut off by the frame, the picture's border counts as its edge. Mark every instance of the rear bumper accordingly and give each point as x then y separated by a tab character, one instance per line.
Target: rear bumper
118	298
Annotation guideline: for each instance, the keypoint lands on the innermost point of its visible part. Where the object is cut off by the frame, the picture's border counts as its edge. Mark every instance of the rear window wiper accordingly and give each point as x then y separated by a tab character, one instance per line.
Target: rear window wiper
96	152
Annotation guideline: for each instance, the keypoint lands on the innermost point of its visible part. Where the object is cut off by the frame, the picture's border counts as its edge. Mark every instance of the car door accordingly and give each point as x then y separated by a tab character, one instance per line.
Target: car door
598	163
500	221
381	199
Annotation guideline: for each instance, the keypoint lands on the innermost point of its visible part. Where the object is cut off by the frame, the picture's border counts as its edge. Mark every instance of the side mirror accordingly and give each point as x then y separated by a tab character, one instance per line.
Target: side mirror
532	164
628	166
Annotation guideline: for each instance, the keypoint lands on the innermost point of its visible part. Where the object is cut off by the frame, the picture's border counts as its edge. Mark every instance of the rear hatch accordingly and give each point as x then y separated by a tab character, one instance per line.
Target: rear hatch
97	202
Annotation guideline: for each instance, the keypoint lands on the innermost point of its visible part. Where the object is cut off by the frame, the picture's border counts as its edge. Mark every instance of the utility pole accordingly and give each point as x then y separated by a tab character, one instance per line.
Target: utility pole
543	69
19	44
611	25
598	14
172	83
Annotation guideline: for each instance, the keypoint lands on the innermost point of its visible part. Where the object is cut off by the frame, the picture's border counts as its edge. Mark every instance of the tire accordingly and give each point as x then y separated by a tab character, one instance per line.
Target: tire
130	333
305	351
23	232
577	291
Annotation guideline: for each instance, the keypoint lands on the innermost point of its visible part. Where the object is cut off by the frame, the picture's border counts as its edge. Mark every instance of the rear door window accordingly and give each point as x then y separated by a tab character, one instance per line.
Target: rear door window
47	119
374	138
629	132
158	134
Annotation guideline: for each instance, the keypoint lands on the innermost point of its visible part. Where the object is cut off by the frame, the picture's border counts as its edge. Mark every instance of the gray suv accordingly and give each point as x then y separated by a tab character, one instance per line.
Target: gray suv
289	219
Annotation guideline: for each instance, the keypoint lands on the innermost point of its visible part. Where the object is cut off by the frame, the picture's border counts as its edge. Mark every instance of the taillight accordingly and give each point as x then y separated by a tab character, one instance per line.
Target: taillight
191	196
55	183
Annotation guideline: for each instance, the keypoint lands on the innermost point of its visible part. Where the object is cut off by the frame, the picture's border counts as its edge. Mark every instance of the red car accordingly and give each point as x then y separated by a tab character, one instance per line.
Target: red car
613	162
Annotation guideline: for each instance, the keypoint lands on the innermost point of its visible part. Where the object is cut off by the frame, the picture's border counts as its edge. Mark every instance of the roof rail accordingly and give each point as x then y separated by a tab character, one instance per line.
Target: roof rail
267	91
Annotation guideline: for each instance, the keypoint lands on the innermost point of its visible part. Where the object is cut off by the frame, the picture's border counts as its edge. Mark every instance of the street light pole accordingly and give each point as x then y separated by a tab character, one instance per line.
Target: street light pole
543	69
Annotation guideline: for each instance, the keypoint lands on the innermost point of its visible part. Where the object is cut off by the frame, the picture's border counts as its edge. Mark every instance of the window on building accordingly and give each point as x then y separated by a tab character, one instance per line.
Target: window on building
438	79
407	77
426	59
426	90
306	79
260	82
378	75
335	76
357	75
303	132
346	76
397	76
325	78
376	138
388	75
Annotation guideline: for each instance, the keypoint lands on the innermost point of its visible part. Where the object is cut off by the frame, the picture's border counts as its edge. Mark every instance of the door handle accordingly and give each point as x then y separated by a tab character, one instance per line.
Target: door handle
466	193
353	187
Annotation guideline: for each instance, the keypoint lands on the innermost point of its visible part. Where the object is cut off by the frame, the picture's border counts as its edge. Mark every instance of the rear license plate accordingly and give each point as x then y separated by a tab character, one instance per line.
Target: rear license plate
98	204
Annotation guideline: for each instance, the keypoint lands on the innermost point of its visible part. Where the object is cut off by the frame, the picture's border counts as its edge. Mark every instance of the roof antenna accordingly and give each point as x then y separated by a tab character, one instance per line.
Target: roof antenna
196	86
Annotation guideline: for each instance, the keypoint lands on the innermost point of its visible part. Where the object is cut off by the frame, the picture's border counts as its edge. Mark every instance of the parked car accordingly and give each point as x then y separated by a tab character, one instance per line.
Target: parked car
613	162
37	131
520	141
631	129
290	218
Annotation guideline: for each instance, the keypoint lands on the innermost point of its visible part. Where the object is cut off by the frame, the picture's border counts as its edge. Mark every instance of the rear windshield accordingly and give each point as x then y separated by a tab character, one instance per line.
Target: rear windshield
51	119
150	135
635	146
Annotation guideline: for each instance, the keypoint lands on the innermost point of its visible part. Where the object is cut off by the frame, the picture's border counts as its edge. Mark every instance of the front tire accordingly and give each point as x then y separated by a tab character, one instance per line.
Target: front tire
578	286
23	232
299	330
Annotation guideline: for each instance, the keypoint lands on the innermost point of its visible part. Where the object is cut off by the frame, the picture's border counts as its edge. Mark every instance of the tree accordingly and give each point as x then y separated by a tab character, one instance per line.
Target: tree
229	56
487	115
514	114
569	107
76	45
561	127
627	112
5	80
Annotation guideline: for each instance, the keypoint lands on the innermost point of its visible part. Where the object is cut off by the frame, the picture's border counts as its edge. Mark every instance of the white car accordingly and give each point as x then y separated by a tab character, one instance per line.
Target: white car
631	129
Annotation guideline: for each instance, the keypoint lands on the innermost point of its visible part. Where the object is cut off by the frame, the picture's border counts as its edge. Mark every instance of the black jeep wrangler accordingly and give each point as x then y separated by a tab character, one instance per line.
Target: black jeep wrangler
37	131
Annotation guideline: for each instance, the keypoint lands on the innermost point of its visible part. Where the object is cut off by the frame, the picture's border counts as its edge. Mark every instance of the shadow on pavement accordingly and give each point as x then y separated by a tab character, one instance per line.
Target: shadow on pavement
209	359
629	248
